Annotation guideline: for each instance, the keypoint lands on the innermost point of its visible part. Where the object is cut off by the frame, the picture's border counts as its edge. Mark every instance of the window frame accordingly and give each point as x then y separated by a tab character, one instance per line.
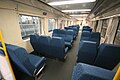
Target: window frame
34	24
53	27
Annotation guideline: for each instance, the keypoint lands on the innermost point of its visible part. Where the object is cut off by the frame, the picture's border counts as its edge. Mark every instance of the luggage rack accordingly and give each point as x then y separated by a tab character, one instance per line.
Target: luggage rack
3	48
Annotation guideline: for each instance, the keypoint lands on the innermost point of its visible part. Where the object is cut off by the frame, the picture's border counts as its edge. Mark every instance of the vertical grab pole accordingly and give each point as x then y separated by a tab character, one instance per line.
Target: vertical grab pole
117	75
6	55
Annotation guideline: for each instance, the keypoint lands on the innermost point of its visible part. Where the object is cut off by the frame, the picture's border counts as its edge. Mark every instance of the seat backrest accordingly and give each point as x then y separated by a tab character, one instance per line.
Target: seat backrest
44	45
58	47
69	35
70	32
86	27
55	30
95	36
108	56
87	52
19	57
85	34
34	41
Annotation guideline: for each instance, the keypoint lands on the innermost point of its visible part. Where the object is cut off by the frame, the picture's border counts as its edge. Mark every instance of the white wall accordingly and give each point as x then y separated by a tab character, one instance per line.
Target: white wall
9	22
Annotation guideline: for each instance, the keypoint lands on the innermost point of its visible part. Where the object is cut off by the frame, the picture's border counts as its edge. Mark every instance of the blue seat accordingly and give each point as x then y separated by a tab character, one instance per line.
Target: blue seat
58	49
88	72
66	35
69	36
34	41
74	29
2	53
85	35
86	27
108	56
29	65
71	32
95	36
50	47
87	52
44	46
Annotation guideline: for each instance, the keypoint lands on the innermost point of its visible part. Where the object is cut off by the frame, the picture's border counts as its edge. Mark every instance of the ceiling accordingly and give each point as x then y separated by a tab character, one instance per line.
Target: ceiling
73	7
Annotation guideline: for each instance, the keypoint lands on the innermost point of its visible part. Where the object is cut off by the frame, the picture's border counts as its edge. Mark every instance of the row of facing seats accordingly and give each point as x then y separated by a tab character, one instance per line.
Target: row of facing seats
66	35
46	46
104	57
91	36
74	28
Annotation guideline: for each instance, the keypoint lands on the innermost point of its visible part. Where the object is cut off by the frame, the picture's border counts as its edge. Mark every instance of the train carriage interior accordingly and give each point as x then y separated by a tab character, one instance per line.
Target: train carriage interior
59	39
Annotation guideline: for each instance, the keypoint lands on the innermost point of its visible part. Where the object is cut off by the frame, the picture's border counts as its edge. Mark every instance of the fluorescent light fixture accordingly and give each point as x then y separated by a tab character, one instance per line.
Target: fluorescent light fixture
70	2
81	15
77	10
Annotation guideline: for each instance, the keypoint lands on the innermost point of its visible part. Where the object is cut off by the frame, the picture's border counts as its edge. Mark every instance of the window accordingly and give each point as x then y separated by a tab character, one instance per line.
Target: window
29	25
51	24
104	28
117	37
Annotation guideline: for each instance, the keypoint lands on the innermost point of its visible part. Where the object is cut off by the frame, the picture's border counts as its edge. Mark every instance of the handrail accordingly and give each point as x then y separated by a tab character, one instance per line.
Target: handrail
117	75
3	48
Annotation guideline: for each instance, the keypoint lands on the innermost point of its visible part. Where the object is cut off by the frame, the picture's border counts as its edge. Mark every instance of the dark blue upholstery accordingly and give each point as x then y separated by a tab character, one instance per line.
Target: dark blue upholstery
2	53
71	32
91	36
34	41
86	27
87	52
85	35
66	35
69	36
95	36
26	63
58	47
88	72
51	47
44	45
108	56
75	29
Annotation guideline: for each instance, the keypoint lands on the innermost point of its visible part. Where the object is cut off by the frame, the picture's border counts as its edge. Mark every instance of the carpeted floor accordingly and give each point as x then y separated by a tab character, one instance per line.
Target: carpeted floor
58	70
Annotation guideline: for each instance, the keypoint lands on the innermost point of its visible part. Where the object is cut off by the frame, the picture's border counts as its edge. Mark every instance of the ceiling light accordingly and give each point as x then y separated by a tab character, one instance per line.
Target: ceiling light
80	15
77	10
70	2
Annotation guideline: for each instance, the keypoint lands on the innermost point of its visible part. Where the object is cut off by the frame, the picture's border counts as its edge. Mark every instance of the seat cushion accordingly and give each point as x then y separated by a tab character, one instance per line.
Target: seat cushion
38	62
88	72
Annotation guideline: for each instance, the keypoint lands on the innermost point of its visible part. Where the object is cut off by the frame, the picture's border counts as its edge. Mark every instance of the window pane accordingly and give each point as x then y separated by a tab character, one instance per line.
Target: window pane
51	24
29	25
117	37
